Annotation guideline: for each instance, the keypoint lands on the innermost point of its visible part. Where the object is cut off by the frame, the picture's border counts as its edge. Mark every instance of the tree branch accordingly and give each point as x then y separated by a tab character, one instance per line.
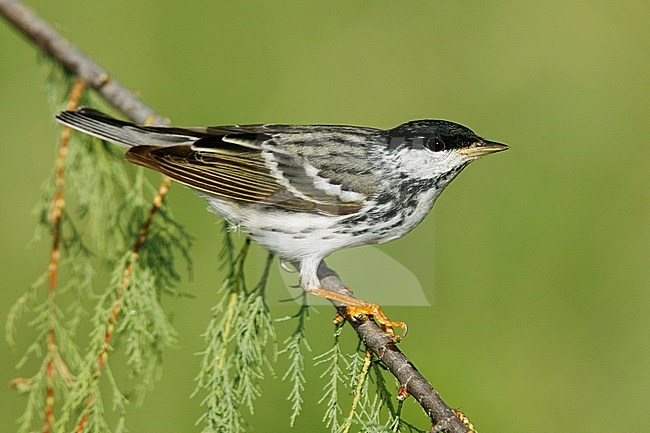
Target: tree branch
56	218
441	415
37	30
72	59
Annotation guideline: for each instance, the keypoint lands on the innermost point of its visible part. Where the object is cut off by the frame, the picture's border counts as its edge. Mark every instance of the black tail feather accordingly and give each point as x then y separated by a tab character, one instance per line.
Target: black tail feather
108	128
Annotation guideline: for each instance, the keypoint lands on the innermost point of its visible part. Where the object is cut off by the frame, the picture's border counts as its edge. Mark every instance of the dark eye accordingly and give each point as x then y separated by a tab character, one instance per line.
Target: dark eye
436	144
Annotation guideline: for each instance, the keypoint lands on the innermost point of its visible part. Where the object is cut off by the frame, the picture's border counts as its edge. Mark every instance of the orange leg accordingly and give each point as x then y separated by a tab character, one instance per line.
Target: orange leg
356	307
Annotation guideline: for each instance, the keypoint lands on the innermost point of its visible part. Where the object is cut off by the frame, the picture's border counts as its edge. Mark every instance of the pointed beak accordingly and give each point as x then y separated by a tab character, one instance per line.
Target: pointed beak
482	148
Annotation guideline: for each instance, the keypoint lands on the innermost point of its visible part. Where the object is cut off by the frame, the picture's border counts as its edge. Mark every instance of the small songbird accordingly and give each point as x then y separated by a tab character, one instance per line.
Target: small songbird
304	192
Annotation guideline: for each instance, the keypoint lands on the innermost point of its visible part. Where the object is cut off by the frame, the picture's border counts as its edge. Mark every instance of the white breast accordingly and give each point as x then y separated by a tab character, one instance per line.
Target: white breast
291	235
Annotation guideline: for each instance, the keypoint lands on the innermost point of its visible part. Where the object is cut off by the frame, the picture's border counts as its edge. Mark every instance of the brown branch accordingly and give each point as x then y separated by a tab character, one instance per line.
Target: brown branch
130	105
442	416
58	203
56	214
163	189
73	60
86	413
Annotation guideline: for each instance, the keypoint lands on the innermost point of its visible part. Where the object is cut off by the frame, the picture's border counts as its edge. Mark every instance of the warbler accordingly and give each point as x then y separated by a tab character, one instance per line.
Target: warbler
305	191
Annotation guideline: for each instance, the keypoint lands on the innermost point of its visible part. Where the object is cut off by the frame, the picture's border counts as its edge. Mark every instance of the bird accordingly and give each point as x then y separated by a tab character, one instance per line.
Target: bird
305	191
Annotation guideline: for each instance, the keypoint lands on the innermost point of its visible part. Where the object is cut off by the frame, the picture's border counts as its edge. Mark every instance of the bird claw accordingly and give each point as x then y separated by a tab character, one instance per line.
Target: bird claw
444	423
338	319
358	309
374	311
402	393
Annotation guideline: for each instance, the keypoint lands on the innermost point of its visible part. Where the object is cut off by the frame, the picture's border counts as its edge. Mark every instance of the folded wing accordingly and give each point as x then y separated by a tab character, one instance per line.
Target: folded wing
268	166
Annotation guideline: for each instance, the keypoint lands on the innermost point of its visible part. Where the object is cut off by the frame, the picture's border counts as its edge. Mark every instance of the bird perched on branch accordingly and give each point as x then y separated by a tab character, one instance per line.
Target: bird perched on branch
304	192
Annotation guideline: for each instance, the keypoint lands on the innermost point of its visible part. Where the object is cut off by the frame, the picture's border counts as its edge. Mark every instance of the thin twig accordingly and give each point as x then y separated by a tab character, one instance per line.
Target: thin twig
73	60
56	214
86	413
117	303
357	391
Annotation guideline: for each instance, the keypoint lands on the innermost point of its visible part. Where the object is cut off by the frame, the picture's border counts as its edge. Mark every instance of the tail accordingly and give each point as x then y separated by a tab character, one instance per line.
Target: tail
98	124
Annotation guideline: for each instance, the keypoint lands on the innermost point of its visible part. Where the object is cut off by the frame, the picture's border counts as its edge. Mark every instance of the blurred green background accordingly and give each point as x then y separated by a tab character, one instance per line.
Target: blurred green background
536	261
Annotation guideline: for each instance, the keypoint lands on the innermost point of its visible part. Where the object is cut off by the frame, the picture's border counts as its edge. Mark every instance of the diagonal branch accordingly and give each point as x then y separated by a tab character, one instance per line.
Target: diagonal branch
163	189
56	216
441	415
28	23
76	62
88	73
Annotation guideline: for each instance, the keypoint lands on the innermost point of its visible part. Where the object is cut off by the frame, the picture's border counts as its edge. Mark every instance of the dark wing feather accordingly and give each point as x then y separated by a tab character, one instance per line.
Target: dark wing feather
340	154
255	167
317	168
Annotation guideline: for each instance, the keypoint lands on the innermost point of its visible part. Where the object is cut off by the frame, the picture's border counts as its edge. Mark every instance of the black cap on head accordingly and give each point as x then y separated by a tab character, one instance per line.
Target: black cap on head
437	135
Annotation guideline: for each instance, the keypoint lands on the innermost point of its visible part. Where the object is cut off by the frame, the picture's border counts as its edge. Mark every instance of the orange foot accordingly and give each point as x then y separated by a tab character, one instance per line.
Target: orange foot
356	307
443	424
374	311
461	416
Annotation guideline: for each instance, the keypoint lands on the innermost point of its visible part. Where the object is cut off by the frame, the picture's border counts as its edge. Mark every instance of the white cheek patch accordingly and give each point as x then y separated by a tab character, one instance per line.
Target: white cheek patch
425	164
